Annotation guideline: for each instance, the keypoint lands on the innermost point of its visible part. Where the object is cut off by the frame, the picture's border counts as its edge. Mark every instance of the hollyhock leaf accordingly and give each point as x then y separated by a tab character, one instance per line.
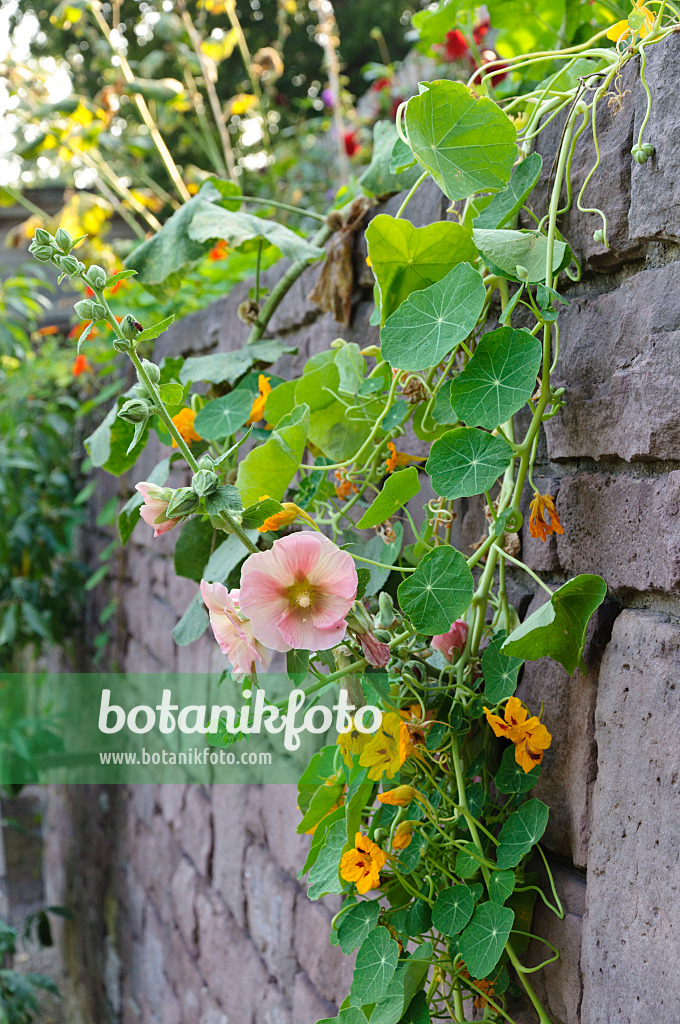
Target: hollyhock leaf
375	965
511	777
210	222
558	629
269	468
122	275
503	251
323	876
406	981
498	380
500	672
194	622
501	885
482	943
228	367
504	205
356	923
432	321
521	832
193	547
331	429
397	490
129	514
406	259
225	499
223	416
378	179
438	592
465	141
171	393
467	461
154	332
453	909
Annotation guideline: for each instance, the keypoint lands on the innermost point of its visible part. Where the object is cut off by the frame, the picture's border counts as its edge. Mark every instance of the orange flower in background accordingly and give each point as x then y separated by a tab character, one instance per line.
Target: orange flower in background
50	329
264	389
80	365
396	458
543	519
344	487
289	513
81	328
184	421
362	864
530	736
219	251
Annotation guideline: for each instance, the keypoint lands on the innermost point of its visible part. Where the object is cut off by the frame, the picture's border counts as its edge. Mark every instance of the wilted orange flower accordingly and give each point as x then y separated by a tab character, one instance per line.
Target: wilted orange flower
362	864
480	1002
80	365
184	421
543	519
257	411
530	737
344	487
622	29
401	796
396	458
403	835
50	329
290	512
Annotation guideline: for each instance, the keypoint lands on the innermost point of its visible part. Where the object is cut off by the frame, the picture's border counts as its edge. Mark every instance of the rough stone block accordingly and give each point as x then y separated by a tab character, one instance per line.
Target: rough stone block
308	1006
182	897
327	967
196	834
631	945
280	817
270	900
620	361
624	528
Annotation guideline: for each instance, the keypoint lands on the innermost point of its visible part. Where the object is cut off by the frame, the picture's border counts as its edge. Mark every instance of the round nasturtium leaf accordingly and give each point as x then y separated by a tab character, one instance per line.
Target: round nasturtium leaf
465	141
467	461
498	380
500	672
521	832
482	943
438	592
453	909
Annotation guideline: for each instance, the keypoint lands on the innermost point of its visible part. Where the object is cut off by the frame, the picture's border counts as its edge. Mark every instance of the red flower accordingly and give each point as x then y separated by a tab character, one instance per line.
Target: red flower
480	30
380	84
219	251
350	142
498	74
455	45
80	365
89	292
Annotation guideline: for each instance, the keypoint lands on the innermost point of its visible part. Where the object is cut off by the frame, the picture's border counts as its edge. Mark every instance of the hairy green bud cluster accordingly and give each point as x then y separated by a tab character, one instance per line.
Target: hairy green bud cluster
205	482
87	309
152	371
96	277
129	328
135	410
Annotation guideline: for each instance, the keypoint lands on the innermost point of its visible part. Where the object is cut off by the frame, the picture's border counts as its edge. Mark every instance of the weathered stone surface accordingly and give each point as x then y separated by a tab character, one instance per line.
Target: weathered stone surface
559	985
183	889
308	1007
631	947
624	528
327	967
660	176
280	817
270	900
620	361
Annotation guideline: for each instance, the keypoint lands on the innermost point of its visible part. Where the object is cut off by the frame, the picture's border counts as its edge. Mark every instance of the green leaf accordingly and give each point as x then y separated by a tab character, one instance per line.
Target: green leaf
503	251
171	393
280	401
406	259
418	918
210	222
378	551
255	515
194	622
397	490
407	979
225	499
323	876
129	514
481	944
355	924
521	832
527	26
350	1015
505	205
467	866
378	178
558	629
500	672
270	468
465	141
438	592
498	380
319	806
375	966
432	25
319	838
192	549
297	663
431	322
337	432
466	461
453	909
154	332
230	366
122	275
109	445
418	1012
511	777
402	158
501	885
223	416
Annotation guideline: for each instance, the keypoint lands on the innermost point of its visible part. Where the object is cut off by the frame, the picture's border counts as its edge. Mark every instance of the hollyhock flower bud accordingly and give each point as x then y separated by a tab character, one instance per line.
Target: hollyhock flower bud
155	507
152	371
453	641
129	328
232	630
69	265
183	502
205	482
135	410
85	309
41	252
63	240
42	237
96	277
297	594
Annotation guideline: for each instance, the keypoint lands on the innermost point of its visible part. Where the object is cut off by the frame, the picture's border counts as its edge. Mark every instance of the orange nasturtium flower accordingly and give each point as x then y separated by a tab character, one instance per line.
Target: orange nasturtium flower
544	519
385	753
362	864
530	736
399	797
403	834
396	458
263	388
219	251
289	513
344	487
640	14
184	421
80	365
49	329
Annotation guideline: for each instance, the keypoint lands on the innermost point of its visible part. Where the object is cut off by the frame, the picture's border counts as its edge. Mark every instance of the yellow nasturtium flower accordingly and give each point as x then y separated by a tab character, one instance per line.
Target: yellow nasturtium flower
640	20
530	736
362	864
257	411
385	753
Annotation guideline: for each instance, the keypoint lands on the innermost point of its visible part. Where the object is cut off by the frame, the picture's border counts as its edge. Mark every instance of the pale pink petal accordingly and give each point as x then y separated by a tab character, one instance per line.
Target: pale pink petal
300	632
233	633
267	563
375	651
334	572
327	609
453	640
298	554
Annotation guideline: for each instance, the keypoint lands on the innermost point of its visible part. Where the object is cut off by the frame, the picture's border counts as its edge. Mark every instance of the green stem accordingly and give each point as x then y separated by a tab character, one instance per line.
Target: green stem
410	194
264	201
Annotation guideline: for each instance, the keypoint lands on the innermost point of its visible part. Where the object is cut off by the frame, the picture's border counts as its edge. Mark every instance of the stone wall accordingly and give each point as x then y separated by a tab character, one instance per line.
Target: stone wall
189	907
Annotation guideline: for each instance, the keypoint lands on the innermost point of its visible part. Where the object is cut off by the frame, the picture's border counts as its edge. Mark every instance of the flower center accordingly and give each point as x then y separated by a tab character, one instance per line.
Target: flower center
301	594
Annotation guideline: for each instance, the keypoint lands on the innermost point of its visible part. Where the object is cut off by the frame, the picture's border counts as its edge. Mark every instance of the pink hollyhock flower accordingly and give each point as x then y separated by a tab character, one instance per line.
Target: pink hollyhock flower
156	500
375	651
297	594
232	631
452	641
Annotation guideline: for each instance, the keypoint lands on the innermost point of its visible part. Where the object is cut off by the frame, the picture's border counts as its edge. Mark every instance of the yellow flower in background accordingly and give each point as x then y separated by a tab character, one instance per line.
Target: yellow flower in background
264	389
184	421
640	14
290	512
530	736
362	864
242	103
386	752
403	834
